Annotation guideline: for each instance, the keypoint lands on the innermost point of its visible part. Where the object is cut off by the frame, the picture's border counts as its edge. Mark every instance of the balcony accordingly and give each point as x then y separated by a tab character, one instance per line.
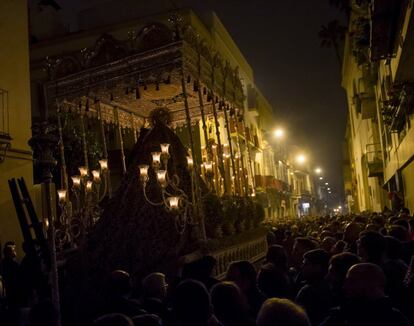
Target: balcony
385	28
366	92
374	160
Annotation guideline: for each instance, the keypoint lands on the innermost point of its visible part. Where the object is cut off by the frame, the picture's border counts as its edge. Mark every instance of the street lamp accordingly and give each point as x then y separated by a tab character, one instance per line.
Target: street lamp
301	158
326	184
320	178
318	170
279	133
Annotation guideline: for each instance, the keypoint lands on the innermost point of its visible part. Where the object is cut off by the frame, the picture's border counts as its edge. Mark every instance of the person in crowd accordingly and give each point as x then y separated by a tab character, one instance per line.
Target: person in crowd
10	271
328	243
230	306
399	232
203	270
191	304
154	289
395	270
338	247
113	320
43	314
371	247
273	278
244	275
276	311
338	267
351	236
119	299
315	296
300	247
367	303
33	280
147	320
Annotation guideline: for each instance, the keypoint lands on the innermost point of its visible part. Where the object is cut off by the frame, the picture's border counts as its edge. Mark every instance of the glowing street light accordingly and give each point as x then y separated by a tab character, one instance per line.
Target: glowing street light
301	158
318	170
320	178
279	133
326	184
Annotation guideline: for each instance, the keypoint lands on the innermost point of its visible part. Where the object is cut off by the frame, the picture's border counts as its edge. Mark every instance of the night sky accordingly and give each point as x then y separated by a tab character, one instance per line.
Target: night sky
299	78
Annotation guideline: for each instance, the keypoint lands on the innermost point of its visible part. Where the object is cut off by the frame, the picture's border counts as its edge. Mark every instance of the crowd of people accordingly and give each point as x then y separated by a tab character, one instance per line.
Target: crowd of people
329	271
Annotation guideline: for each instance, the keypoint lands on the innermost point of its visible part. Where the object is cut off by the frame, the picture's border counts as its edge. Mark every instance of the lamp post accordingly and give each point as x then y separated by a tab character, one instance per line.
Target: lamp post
43	143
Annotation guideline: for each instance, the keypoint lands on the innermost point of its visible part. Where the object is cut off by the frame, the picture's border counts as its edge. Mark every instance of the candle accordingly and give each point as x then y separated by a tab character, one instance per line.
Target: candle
164	148
143	172
156	159
173	202
96	175
162	178
62	195
89	186
190	162
209	167
83	170
76	180
104	164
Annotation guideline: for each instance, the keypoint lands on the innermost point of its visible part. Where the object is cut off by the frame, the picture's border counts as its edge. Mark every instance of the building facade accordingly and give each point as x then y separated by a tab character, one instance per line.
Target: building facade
378	78
15	113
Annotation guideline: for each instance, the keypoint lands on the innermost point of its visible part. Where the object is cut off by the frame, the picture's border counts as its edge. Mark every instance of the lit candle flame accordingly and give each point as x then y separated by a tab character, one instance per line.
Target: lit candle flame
173	202
89	186
96	175
62	195
162	177
104	164
76	180
83	170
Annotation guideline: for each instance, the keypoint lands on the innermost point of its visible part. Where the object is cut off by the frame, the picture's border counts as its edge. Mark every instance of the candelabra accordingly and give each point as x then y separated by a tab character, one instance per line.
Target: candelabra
79	206
173	198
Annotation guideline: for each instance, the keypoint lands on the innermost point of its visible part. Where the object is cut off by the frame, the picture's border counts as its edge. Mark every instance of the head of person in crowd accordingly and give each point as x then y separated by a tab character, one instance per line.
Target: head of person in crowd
365	281
315	265
300	247
327	243
378	220
325	233
394	248
119	284
191	304
113	320
229	304
9	250
372	227
404	212
147	320
371	247
43	314
398	231
155	286
284	312
277	256
338	268
243	274
351	232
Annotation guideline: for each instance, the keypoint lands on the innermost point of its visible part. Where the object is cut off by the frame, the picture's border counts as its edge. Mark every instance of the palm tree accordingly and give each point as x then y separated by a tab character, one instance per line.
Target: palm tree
331	35
342	5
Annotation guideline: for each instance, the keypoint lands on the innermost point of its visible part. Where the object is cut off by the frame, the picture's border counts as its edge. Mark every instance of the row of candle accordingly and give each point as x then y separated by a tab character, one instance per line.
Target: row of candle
83	175
173	202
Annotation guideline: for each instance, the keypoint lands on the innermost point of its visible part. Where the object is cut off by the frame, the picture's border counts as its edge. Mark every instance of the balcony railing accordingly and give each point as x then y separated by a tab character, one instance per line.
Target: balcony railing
252	251
374	160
